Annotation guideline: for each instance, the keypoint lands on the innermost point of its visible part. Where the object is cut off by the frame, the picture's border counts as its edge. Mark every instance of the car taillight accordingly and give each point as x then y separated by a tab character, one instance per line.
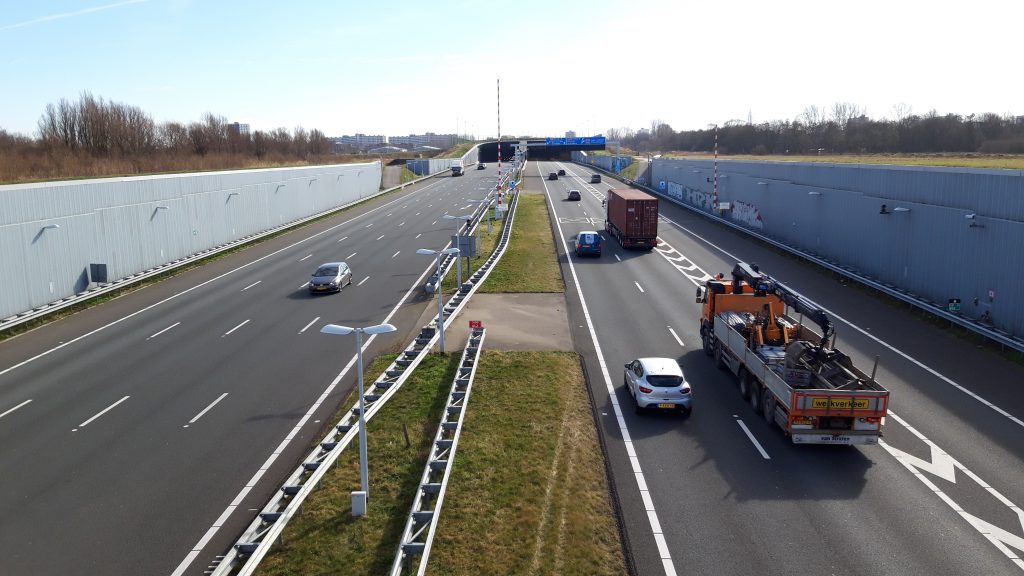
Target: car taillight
685	389
646	390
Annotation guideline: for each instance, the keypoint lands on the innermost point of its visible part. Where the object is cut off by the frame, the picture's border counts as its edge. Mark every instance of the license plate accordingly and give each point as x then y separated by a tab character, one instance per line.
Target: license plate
321	287
669	406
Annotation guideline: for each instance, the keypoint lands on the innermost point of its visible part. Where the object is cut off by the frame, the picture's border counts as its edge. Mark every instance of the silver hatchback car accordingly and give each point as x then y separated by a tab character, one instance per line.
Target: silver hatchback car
658	383
330	277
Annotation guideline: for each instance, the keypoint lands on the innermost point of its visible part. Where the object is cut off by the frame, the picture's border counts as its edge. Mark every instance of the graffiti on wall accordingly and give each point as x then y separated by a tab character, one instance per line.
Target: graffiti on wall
747	214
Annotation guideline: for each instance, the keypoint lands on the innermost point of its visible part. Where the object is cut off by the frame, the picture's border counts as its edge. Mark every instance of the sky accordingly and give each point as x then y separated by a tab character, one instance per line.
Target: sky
408	67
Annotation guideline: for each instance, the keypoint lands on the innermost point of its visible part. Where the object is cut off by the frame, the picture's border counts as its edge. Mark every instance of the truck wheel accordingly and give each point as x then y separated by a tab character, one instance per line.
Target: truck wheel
744	384
755	398
709	348
719	361
769	407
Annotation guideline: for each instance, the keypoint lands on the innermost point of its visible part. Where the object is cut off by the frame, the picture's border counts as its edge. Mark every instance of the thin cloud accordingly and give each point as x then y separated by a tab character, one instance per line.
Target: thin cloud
63	15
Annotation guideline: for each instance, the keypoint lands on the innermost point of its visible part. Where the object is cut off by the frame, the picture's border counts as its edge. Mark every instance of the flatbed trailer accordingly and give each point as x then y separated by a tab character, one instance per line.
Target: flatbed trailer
788	372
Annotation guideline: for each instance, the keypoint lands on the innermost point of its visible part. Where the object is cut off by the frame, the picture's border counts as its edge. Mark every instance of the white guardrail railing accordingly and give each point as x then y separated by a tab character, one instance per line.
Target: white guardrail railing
418	535
244	557
996	335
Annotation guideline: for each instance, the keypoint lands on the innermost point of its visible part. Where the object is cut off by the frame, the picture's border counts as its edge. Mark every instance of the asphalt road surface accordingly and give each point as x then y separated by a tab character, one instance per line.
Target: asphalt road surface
141	436
722	492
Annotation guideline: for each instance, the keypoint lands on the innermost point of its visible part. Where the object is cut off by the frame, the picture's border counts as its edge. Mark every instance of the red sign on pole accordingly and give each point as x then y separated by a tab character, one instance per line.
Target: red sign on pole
475	324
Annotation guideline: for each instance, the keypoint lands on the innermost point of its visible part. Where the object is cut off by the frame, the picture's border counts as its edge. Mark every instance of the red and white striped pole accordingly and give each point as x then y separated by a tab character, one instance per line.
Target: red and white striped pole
714	192
499	136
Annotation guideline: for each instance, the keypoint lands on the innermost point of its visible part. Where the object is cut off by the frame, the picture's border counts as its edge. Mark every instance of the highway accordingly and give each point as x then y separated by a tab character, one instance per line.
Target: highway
722	492
140	436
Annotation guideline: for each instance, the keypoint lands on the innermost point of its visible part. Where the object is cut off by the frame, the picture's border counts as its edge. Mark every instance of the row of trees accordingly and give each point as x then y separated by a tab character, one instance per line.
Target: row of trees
102	128
843	129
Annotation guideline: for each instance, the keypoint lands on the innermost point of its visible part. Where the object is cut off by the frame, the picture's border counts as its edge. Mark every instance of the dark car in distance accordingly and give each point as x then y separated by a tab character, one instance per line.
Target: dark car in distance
552	176
595	179
561	172
574	195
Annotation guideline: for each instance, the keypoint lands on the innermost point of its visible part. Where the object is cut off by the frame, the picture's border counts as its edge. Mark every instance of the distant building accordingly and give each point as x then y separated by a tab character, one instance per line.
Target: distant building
420	140
570	134
238	129
360	142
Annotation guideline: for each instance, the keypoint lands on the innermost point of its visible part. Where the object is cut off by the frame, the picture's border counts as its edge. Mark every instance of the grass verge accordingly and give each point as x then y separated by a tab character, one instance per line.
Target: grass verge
530	263
549	513
528	494
325	538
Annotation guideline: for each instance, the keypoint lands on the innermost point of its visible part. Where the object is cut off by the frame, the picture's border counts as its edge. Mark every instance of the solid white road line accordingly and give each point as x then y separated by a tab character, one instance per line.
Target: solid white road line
343	239
396	253
311	322
15	408
235	328
164	330
754	440
363	280
639	287
306	258
617	257
201	284
303	285
251	285
205	410
676	336
223	518
418	235
652	516
379	237
351	255
101	413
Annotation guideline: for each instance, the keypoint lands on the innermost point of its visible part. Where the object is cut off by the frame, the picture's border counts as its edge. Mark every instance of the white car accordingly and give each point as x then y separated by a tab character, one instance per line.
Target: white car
658	383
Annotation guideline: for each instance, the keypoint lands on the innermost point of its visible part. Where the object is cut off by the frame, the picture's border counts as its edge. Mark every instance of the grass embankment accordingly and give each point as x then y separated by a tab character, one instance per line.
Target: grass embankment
528	492
530	263
325	538
629	172
458	151
408	175
1012	162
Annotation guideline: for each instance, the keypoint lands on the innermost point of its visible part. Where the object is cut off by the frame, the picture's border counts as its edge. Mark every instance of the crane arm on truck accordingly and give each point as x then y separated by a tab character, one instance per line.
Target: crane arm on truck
765	284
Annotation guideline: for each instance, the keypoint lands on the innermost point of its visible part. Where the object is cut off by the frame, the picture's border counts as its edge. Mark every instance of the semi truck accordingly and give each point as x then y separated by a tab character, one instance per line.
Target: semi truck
457	168
631	217
789	373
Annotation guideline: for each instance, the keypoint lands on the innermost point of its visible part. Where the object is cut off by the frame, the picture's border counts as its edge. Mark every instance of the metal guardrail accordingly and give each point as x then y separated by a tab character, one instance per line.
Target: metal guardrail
996	335
421	525
106	287
466	229
244	557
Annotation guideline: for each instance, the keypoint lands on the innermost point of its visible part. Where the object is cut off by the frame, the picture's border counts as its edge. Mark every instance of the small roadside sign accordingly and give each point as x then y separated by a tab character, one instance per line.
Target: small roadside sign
475	324
954	305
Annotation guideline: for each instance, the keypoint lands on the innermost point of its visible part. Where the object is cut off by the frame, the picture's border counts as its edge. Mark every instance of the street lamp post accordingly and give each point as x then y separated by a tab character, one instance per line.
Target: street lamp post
440	299
359	498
